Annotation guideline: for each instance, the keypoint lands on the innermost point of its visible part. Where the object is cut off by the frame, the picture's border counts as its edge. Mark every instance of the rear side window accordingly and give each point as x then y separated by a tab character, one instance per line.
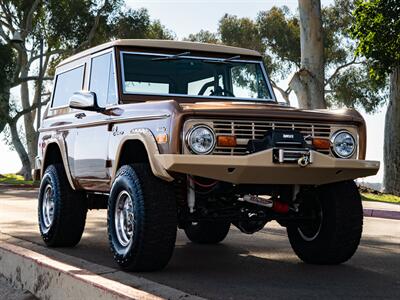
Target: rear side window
102	79
67	83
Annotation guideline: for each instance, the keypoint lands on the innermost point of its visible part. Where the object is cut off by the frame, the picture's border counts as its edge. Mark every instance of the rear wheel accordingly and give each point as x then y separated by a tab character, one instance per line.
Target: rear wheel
61	210
207	232
142	219
334	233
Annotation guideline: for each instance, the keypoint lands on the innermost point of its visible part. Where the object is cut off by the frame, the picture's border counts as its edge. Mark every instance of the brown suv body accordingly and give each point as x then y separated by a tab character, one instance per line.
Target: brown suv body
92	141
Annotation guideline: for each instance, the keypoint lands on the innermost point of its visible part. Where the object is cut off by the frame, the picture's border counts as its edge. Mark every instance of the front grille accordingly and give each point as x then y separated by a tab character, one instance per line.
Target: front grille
246	130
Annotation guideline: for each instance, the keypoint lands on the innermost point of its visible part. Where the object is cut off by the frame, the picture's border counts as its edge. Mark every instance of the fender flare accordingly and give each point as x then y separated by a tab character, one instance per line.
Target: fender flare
63	150
146	137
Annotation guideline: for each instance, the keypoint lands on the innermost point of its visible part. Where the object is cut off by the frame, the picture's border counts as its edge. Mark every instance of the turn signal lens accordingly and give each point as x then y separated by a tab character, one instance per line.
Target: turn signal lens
321	143
226	141
162	138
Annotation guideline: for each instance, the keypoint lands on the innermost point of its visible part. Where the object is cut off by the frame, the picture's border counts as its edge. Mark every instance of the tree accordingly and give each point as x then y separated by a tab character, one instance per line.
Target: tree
7	116
276	34
377	30
66	26
203	36
308	82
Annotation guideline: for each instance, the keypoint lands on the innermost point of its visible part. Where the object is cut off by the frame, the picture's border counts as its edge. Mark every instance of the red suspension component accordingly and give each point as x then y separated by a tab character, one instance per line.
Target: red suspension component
280	207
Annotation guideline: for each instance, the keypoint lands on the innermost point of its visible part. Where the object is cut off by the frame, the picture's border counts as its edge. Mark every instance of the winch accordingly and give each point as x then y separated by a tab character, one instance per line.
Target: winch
289	146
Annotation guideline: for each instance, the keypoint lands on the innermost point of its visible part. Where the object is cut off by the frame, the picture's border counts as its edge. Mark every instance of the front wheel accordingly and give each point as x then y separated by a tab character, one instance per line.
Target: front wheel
334	233
142	219
61	210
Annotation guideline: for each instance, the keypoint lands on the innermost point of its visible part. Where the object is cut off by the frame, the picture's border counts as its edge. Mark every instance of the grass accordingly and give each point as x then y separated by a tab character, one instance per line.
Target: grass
380	198
14	179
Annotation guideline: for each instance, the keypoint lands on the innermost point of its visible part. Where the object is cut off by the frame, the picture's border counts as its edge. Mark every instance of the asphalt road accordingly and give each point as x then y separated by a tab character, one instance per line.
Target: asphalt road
258	266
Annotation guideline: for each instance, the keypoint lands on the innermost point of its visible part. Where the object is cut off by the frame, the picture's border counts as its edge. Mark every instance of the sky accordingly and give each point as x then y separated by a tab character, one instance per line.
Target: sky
184	17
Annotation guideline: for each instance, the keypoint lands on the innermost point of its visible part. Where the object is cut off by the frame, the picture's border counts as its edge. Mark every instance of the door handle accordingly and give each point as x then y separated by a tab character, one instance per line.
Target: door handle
80	115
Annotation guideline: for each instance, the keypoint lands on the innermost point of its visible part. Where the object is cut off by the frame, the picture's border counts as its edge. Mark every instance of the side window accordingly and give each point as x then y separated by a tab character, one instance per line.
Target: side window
102	79
67	83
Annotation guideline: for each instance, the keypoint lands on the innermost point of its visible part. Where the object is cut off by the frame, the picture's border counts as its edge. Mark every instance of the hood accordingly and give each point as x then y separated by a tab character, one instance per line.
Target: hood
273	111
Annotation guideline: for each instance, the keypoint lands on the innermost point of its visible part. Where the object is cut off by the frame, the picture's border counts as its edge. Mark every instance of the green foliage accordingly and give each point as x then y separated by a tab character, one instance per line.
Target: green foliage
377	30
14	179
244	32
136	24
353	88
68	22
379	197
7	67
204	36
240	32
280	33
336	20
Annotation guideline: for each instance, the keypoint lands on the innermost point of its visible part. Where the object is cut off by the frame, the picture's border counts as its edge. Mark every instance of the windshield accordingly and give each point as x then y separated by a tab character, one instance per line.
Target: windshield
200	77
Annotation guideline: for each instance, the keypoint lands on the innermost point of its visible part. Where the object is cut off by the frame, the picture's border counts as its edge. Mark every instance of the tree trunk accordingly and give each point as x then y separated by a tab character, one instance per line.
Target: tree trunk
391	146
19	147
30	132
308	82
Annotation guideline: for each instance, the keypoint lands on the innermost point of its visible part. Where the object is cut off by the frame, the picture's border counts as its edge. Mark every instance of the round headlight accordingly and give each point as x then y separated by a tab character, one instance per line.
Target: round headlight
201	139
343	144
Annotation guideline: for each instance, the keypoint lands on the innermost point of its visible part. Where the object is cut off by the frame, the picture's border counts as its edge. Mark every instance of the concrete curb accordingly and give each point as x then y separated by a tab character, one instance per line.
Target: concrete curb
385	214
47	278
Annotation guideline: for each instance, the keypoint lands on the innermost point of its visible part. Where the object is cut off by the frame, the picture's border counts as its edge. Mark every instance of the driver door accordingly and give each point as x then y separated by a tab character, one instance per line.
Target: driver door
92	135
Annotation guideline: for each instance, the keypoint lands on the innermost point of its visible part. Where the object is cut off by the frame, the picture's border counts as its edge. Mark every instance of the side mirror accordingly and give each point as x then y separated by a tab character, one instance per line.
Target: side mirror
283	103
84	100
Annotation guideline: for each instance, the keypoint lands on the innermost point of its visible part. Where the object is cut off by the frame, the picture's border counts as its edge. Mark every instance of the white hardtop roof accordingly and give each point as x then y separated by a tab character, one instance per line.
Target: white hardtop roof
165	44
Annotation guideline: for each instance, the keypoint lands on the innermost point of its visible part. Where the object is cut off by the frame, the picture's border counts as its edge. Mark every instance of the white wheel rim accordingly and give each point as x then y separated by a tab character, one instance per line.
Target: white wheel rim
124	218
48	207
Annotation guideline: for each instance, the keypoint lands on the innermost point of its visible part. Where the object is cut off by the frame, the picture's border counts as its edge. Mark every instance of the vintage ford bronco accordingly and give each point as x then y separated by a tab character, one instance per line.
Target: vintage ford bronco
168	134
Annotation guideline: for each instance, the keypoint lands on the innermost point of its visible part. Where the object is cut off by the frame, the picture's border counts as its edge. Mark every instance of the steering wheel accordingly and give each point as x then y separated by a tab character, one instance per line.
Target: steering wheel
219	91
204	87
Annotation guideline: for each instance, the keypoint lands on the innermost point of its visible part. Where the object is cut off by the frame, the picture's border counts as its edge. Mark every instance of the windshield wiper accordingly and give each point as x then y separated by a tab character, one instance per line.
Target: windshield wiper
231	58
221	61
173	57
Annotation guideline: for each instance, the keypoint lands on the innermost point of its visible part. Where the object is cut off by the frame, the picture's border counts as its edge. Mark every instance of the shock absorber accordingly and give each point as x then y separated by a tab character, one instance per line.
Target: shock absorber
191	194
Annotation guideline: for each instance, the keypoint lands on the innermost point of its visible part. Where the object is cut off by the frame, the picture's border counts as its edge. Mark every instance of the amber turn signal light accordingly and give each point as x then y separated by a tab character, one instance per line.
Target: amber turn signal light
162	138
226	140
319	143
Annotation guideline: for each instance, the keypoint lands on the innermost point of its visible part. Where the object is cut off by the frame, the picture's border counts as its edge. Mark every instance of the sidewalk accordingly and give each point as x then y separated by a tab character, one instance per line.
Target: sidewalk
51	274
9	293
381	210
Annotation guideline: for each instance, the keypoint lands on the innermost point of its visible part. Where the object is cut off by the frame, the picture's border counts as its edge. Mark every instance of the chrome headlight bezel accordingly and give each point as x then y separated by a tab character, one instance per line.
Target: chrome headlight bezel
190	133
335	136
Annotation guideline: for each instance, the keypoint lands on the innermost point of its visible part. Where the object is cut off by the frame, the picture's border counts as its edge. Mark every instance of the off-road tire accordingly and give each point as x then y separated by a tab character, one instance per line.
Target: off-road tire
341	228
155	219
70	208
207	232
